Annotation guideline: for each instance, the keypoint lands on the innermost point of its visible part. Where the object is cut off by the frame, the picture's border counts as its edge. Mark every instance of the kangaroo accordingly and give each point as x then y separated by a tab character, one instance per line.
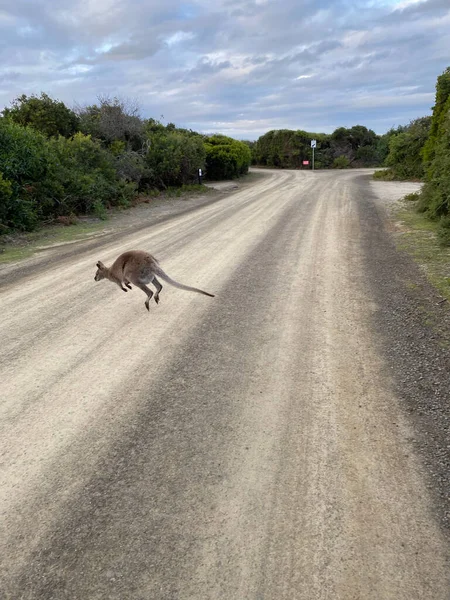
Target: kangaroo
139	268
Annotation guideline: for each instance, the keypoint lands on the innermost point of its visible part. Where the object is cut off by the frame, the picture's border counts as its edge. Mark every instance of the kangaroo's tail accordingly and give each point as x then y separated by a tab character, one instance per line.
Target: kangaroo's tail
160	273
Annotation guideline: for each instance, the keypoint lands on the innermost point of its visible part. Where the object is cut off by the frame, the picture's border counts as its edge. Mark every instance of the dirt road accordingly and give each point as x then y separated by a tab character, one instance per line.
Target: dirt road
248	446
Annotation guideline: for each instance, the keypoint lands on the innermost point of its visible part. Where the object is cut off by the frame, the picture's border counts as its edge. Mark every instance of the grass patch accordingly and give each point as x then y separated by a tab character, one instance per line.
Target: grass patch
384	175
413	197
18	246
178	192
172	192
392	175
419	237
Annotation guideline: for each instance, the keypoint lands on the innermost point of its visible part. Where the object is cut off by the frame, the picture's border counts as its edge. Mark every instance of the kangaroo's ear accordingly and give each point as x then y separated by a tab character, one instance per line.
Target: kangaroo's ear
100	265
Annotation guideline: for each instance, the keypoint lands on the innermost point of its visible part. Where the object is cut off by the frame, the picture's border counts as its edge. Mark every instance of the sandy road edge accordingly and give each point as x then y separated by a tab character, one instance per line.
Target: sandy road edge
413	332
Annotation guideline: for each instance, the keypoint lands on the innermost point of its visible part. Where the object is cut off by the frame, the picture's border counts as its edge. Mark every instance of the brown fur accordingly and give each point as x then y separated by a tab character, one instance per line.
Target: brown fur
139	268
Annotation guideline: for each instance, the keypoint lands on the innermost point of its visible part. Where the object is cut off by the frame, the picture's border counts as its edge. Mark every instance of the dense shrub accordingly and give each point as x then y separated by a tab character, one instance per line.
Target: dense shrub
358	144
341	162
44	178
24	165
367	156
130	166
85	177
173	157
56	163
226	158
287	149
50	117
405	150
440	110
435	196
6	192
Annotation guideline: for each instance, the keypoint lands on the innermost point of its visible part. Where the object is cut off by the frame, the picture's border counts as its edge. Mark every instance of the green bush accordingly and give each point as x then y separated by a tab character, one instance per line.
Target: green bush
287	149
50	117
173	158
6	192
358	144
405	150
226	158
24	164
435	196
45	178
85	175
440	110
341	162
50	170
367	156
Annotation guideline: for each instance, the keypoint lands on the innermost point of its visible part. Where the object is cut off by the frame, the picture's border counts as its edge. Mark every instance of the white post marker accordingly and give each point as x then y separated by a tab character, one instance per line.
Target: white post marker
313	145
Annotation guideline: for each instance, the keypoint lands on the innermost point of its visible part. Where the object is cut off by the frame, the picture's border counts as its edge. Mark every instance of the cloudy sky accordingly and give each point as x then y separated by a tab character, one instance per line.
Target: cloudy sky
240	67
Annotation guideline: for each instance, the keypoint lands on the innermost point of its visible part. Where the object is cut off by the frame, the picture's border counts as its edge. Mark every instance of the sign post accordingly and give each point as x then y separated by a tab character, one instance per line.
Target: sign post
200	173
313	145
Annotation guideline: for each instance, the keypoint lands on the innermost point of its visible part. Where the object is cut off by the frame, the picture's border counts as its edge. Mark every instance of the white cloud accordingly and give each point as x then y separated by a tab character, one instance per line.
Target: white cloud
244	65
401	4
178	37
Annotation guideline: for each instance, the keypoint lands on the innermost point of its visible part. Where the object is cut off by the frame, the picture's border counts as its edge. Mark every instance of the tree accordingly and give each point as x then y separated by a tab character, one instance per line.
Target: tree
351	142
285	148
383	143
288	149
50	117
111	120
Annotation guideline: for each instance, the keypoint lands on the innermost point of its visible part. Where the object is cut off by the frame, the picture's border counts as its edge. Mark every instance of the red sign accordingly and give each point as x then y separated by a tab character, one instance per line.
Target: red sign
306	162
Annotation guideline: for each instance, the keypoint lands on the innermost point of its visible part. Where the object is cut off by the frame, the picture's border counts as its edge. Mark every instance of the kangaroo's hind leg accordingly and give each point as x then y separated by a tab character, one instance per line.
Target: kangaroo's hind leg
158	287
147	291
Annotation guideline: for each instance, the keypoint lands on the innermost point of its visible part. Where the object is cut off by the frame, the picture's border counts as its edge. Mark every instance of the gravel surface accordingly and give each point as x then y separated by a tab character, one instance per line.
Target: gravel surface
414	331
282	440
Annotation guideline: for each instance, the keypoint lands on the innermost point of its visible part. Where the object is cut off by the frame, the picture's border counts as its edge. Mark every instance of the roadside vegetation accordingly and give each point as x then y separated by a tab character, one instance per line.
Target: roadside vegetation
419	236
344	148
421	151
405	145
56	163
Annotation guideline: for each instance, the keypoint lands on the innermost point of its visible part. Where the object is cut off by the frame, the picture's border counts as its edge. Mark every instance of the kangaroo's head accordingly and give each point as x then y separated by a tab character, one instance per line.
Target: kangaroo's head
102	272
